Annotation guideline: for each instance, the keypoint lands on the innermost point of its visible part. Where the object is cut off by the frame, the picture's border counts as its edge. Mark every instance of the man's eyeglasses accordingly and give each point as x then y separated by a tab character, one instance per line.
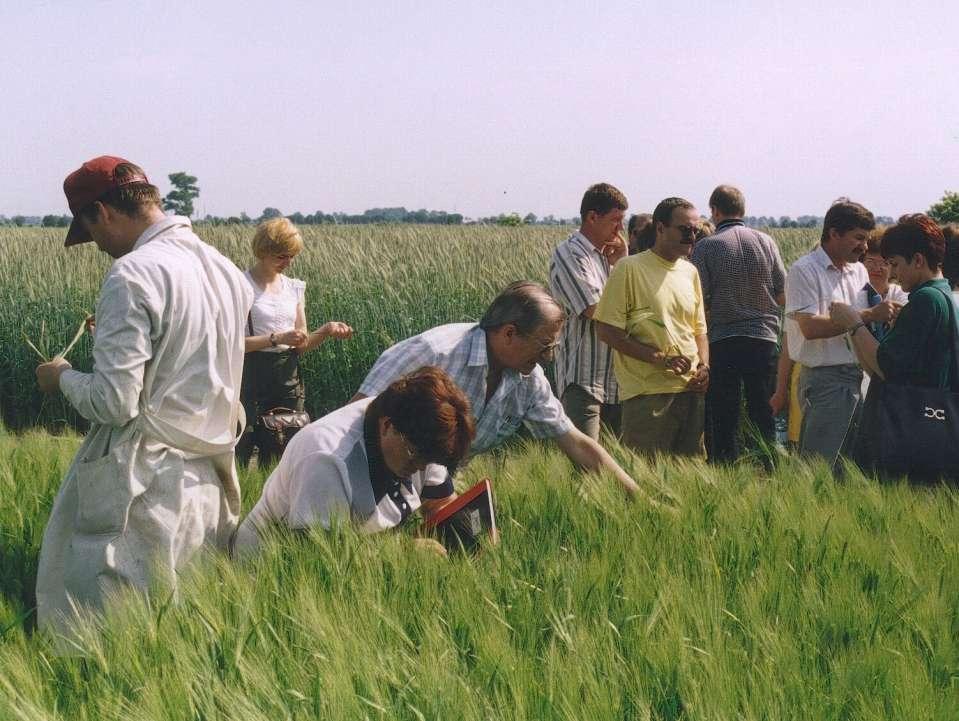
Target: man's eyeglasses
546	349
410	449
687	230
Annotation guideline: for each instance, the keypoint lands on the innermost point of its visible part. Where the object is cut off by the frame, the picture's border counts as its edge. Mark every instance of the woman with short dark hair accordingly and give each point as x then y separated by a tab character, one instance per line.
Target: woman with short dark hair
365	462
903	430
917	350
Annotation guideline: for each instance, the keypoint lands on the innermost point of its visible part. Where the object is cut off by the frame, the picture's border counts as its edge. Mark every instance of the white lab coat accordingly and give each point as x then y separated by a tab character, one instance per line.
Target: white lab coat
155	478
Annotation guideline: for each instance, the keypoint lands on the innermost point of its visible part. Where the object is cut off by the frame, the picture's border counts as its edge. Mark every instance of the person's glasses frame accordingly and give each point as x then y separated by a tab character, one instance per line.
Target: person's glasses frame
686	230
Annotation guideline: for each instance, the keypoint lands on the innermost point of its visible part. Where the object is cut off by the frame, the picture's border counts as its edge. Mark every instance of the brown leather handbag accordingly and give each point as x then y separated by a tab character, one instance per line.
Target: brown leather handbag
278	426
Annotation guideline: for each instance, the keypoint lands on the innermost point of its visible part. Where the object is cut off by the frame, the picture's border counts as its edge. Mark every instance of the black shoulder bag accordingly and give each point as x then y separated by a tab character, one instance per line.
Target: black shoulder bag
912	431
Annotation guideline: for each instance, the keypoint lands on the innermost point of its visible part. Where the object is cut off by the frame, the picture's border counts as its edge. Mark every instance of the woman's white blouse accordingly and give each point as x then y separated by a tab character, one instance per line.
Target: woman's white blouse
325	472
275	312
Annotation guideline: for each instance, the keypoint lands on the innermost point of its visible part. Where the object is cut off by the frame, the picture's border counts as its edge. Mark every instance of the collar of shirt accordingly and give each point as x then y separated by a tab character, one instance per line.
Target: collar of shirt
478	355
661	260
940	283
382	478
577	237
479	360
154	230
729	223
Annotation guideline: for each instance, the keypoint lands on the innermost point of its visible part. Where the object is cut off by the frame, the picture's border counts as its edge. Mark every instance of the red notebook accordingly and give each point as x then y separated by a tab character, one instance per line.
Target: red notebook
466	519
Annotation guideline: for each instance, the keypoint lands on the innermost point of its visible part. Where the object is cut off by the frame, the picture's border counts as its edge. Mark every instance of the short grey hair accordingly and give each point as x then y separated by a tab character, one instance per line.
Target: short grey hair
525	304
728	200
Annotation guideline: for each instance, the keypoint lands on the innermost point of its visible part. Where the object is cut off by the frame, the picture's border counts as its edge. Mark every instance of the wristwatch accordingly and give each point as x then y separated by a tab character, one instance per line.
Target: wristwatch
273	339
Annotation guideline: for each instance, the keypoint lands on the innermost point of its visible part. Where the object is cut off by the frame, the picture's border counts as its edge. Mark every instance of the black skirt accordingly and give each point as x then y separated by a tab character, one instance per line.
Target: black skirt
270	380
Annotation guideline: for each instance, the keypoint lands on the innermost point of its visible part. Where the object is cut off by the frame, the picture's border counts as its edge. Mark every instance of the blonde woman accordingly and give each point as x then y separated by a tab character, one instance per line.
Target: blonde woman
276	334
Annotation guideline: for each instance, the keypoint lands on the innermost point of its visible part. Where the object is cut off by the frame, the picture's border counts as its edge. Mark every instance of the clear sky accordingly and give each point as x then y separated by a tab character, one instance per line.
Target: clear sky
485	107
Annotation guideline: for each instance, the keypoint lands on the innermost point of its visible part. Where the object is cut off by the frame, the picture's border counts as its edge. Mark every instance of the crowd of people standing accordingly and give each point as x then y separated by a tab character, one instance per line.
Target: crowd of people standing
659	338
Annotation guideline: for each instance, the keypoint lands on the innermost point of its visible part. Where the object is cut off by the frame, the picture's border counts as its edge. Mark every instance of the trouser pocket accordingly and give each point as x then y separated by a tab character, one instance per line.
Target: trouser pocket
104	493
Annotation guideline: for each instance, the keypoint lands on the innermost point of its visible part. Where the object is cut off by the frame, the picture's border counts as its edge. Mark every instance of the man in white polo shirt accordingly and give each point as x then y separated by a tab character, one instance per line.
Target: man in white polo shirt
831	379
578	271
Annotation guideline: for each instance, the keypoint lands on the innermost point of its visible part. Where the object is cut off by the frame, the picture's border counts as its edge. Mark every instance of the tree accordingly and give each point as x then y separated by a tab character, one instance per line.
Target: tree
947	209
55	221
270	213
180	199
530	219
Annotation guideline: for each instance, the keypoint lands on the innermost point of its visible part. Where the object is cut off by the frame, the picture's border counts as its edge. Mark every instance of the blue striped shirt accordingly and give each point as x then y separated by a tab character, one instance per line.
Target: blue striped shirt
460	350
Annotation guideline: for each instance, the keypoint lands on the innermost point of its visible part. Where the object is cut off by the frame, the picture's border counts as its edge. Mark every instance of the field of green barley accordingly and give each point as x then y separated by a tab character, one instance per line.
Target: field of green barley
788	596
388	282
783	595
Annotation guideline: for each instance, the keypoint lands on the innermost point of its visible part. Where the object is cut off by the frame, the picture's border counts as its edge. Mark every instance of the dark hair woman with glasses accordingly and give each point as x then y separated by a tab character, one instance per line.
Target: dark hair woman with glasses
367	461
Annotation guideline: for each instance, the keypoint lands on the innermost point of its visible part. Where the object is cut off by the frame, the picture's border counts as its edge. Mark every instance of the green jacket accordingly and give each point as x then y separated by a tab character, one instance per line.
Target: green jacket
917	351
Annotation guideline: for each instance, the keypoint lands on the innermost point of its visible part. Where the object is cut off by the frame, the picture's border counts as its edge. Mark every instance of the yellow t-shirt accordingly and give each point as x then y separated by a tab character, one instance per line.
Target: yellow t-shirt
657	303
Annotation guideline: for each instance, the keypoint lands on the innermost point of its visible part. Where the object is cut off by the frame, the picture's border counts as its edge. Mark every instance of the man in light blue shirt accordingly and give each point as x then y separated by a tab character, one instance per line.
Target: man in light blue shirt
495	363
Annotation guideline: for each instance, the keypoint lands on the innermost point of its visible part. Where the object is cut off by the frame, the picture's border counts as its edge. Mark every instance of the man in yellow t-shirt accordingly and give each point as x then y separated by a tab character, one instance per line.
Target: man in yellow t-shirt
652	315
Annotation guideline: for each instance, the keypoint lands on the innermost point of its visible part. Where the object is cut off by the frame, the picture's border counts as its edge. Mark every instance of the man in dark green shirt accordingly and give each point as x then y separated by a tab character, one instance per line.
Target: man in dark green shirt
918	349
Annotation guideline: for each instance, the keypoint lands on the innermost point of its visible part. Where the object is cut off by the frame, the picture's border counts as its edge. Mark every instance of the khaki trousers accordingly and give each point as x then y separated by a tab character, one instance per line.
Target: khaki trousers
665	423
588	414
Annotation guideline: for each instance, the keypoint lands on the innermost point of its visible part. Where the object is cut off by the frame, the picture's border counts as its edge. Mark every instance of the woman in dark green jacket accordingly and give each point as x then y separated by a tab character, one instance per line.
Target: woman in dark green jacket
917	351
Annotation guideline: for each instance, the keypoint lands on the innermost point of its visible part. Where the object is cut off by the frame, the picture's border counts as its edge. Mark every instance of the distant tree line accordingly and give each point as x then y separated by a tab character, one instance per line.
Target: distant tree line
47	221
367	217
803	221
391	215
180	201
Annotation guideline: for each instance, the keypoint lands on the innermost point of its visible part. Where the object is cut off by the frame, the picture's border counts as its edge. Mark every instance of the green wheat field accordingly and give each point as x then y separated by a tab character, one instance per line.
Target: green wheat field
747	595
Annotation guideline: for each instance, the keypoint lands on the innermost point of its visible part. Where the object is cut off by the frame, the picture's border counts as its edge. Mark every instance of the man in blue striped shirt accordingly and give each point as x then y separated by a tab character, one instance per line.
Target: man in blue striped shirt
578	271
496	364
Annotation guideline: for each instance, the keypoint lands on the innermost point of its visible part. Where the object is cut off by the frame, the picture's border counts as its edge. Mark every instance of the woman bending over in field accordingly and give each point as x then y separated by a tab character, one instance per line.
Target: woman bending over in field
365	462
276	336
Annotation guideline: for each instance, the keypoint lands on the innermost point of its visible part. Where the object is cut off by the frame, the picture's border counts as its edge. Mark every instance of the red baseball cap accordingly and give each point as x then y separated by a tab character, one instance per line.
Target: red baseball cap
94	179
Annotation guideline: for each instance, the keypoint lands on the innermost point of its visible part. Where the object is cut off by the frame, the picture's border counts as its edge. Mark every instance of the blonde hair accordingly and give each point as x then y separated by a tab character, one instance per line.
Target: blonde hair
277	236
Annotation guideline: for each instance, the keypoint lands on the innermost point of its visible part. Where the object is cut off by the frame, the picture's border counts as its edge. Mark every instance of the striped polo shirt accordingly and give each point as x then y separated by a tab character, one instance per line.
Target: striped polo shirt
460	350
577	275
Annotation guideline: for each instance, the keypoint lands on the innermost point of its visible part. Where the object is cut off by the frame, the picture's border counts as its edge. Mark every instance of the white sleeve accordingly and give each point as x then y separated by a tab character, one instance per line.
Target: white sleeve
802	293
299	288
437	482
122	347
544	416
317	491
896	294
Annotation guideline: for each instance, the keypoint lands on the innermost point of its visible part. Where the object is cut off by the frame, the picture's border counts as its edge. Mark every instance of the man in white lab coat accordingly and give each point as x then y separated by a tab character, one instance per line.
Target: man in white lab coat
155	477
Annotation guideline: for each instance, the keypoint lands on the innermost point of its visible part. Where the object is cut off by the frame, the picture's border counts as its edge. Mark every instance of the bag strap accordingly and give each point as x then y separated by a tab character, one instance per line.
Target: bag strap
954	370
